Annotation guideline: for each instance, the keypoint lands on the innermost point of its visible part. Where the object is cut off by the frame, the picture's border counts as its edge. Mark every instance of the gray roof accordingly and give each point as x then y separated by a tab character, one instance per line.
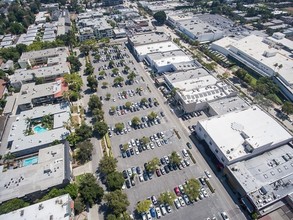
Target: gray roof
20	142
266	178
49	171
149	38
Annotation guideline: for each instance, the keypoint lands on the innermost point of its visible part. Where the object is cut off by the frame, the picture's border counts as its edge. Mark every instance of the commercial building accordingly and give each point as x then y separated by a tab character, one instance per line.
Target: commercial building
33	176
195	28
61	207
236	136
29	132
267	59
163	61
195	88
264	181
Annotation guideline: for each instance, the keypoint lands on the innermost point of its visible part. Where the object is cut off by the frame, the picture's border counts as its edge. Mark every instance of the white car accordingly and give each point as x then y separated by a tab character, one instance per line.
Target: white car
158	211
208	173
181	189
144	216
149	217
224	216
177	203
184	152
163	209
141	178
182	203
136	151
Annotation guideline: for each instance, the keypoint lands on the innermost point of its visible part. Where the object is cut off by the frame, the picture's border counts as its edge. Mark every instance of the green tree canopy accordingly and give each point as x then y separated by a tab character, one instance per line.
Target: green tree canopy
98	114
74	81
119	126
74	63
84	131
288	108
90	191
114	180
160	17
167	198
174	158
192	188
117	202
94	102
152	116
143	206
84	151
135	120
101	128
12	205
153	164
92	82
107	165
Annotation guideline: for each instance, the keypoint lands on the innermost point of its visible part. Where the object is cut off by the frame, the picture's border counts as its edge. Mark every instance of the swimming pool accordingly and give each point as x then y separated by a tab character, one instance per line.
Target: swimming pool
30	161
39	129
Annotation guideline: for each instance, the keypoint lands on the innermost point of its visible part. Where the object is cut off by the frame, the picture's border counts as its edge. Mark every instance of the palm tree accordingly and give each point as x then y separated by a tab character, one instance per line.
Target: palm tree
66	96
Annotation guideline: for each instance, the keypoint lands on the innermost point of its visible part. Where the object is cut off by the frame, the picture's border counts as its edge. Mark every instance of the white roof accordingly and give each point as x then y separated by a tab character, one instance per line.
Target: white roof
156	47
236	132
248	46
168	57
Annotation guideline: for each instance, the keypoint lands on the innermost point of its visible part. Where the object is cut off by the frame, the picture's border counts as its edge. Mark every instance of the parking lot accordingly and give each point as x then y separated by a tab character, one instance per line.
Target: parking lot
130	99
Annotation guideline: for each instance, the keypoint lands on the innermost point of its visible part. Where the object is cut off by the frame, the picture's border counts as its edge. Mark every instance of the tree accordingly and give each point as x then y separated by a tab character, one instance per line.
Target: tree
167	198
152	116
114	180
12	205
117	202
90	191
118	80
192	188
107	165
135	121
84	152
143	206
105	84
131	76
111	63
84	132
175	158
102	74
160	17
115	71
85	49
94	102
143	101
78	206
101	128
119	127
74	63
74	81
145	140
98	114
152	164
288	108
108	96
266	86
92	82
128	105
72	190
89	69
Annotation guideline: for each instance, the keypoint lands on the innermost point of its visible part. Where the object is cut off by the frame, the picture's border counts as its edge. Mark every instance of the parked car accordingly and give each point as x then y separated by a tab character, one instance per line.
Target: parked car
153	212
177	191
168	207
186	199
182	203
163	209
208	173
177	203
224	216
154	200
158	172
188	145
158	211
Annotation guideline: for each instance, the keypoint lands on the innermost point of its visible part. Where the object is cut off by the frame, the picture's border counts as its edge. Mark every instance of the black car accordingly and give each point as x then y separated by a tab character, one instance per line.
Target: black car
150	99
170	167
162	114
131	151
139	149
163	160
145	165
145	176
127	183
138	170
175	167
188	145
125	175
166	169
101	98
128	153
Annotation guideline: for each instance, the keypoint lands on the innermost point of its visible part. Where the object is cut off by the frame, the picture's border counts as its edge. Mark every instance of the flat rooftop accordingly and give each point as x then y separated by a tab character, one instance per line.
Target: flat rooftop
247	45
149	38
227	105
24	75
237	134
186	65
22	142
266	178
156	47
60	207
169	57
48	172
198	85
58	51
32	91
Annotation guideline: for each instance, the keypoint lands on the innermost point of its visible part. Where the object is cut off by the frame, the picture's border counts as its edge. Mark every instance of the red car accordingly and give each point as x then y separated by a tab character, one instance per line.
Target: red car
158	172
177	191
